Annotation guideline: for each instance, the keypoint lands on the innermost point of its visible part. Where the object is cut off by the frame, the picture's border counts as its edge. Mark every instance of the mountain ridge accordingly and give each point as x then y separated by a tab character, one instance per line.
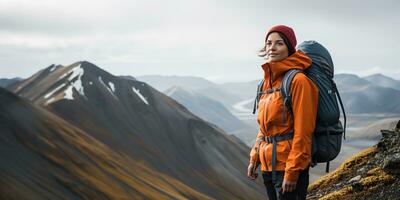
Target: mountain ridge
133	118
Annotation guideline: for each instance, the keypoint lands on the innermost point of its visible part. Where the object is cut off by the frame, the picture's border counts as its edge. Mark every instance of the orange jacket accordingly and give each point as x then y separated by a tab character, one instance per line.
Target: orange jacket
275	119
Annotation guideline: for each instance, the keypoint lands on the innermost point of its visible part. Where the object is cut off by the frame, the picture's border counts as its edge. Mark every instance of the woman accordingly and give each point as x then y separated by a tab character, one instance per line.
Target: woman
285	131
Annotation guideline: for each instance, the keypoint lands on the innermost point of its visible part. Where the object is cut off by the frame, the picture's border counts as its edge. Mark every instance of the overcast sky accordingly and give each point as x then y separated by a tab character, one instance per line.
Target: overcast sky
214	39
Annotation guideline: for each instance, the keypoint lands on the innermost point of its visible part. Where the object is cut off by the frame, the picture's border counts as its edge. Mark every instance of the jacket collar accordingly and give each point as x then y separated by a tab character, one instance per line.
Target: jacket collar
274	70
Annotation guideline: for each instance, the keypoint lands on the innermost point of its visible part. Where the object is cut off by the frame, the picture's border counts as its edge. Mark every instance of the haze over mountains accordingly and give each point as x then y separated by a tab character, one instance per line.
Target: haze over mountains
129	122
198	84
213	111
375	89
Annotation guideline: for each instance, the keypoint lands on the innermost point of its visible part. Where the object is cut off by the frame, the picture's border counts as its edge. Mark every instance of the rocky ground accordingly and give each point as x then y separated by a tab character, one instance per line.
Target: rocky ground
371	174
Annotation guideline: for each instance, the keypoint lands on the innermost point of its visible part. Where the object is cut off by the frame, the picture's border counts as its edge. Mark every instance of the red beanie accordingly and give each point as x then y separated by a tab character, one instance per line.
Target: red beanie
285	30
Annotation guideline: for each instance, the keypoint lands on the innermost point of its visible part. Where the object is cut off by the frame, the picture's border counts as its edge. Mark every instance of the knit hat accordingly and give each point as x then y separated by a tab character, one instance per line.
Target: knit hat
287	32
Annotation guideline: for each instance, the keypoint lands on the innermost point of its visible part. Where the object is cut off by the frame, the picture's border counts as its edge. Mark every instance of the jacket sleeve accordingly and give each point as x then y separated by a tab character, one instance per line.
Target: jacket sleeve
305	104
253	152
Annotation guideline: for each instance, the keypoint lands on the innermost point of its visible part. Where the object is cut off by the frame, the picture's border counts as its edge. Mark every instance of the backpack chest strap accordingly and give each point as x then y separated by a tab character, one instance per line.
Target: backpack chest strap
270	90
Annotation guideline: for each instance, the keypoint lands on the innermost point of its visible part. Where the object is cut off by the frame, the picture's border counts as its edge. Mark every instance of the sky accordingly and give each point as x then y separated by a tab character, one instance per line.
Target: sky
214	39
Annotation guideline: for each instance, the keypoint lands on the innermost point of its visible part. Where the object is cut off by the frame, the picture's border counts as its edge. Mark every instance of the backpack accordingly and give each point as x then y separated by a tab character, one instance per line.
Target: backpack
327	137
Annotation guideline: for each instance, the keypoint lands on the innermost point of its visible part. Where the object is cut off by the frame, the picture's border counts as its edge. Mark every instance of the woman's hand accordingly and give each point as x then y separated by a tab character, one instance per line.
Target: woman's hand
288	186
250	172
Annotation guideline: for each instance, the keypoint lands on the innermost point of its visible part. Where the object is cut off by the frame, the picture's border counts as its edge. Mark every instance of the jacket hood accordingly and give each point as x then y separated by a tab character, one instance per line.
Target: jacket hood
298	60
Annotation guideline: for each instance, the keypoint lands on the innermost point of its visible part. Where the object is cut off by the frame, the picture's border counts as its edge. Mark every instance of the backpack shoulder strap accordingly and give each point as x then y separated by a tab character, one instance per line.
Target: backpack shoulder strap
285	87
257	99
341	105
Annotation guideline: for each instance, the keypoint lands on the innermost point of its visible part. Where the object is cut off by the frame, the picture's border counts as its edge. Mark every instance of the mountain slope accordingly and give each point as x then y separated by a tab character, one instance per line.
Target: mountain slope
371	174
212	111
131	117
45	157
247	90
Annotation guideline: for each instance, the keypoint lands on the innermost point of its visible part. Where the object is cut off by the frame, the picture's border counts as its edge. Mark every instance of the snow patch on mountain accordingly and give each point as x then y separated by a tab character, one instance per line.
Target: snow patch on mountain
140	95
51	100
69	93
76	72
109	87
102	82
111	84
54	91
53	68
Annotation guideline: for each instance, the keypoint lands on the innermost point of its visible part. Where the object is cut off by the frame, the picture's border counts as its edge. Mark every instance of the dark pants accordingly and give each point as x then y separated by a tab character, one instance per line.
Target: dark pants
275	191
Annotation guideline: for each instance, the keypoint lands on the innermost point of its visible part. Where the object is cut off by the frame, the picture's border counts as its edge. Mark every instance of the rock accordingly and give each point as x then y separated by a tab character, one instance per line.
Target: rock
361	170
357	186
391	164
355	179
381	145
398	126
387	133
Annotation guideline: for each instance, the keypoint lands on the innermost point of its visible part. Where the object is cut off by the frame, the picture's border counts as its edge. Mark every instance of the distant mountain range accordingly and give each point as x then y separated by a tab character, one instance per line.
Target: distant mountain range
107	130
4	82
371	94
383	81
362	96
200	85
212	111
373	131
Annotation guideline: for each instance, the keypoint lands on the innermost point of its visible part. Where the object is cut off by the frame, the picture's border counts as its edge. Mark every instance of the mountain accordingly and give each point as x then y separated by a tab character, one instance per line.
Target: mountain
133	119
200	85
372	131
45	157
247	90
212	111
4	82
350	82
383	81
371	174
361	96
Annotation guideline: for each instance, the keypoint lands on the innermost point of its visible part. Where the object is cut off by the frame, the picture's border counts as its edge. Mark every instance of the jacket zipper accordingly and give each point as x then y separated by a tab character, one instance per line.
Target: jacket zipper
270	76
266	103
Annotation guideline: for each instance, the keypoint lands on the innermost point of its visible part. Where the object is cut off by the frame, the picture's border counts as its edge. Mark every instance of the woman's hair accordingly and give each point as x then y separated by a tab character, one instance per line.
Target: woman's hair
263	51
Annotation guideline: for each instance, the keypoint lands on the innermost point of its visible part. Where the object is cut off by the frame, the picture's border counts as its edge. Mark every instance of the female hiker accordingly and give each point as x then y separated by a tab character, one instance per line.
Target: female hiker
283	144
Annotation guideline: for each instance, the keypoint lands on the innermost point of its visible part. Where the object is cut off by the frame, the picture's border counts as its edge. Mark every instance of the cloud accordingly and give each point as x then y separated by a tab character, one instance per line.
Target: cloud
206	38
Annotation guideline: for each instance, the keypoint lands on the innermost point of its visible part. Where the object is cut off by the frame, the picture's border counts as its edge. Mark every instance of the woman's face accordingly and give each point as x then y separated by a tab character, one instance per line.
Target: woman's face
276	48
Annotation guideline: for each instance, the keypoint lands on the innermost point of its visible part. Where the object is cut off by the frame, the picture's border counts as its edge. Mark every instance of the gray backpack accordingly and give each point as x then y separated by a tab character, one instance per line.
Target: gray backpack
327	137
